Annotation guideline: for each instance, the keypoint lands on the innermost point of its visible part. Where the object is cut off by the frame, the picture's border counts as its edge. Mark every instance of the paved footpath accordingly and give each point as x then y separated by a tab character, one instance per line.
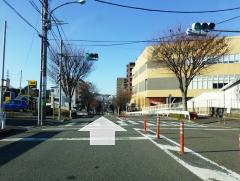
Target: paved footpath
63	153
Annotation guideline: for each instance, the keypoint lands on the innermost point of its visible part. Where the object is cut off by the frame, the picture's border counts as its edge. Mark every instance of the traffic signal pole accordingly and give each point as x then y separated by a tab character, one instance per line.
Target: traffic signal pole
43	73
3	64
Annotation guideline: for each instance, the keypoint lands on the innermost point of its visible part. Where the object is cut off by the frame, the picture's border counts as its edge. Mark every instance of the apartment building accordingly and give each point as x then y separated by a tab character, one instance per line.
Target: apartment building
121	84
129	75
153	83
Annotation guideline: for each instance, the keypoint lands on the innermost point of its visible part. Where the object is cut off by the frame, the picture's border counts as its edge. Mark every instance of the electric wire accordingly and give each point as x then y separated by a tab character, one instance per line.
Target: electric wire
166	11
226	20
21	16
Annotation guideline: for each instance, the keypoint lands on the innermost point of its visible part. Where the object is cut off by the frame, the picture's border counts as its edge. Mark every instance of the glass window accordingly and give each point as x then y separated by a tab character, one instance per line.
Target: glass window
220	85
215	85
231	59
237	58
232	78
220	79
226	59
220	59
204	80
226	79
210	82
195	84
199	82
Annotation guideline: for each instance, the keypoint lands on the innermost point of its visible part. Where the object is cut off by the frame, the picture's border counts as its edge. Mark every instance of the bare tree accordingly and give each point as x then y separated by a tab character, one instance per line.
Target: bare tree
188	56
122	98
88	95
74	69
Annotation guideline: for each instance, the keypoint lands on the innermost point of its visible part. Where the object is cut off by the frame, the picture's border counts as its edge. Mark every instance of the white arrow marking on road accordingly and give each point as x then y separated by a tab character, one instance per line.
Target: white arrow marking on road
102	131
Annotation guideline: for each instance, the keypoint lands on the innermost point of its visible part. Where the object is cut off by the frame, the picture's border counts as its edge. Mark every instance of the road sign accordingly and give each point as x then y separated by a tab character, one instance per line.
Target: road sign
102	131
32	84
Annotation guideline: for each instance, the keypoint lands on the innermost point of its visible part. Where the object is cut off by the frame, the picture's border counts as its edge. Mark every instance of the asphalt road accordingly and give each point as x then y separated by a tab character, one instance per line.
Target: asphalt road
61	152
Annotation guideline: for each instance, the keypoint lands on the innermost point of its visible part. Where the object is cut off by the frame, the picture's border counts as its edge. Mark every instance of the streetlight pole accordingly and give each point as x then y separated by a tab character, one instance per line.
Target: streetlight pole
3	65
46	21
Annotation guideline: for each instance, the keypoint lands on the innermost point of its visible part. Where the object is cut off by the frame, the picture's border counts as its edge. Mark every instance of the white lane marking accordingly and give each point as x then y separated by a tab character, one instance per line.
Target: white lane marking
203	173
132	122
121	123
150	124
204	129
68	139
59	128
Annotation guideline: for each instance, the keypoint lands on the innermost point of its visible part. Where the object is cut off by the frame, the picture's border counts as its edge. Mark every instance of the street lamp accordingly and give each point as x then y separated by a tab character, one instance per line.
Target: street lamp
73	2
46	25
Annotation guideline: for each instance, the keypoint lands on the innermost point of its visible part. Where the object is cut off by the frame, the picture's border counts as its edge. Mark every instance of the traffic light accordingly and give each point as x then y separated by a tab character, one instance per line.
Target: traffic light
206	27
92	56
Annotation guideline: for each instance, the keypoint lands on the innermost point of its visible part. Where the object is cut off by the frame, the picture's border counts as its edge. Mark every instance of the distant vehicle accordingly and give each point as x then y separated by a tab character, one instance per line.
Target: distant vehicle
15	105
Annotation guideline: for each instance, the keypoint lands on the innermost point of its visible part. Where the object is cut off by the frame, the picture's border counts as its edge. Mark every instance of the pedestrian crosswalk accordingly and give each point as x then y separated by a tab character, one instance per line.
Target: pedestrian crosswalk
128	122
150	123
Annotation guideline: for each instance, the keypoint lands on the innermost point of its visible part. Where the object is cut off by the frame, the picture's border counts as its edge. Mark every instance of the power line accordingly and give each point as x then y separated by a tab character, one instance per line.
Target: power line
230	19
113	44
117	42
167	11
19	15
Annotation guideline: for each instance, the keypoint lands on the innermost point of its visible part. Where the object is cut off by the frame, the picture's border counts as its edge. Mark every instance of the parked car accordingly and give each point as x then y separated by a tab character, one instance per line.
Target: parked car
15	105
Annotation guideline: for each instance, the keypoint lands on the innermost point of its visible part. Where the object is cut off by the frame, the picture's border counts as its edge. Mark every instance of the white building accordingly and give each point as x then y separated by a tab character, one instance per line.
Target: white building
228	98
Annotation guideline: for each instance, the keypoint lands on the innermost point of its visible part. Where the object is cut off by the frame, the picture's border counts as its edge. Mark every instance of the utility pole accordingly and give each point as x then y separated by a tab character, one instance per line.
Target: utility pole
60	82
3	65
20	87
43	73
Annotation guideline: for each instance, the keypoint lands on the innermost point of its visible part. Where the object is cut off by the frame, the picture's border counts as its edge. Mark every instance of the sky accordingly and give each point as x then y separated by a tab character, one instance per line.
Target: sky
96	21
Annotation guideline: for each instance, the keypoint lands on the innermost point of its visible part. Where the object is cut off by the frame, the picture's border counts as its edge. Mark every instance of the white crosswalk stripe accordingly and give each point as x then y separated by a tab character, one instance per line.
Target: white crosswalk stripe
132	122
122	123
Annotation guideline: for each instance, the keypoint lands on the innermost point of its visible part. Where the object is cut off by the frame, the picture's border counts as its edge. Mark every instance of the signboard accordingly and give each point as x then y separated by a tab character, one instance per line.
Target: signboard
32	84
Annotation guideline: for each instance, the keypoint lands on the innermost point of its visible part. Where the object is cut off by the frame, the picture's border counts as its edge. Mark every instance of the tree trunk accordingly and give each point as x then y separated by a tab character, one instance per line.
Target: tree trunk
70	107
184	100
118	109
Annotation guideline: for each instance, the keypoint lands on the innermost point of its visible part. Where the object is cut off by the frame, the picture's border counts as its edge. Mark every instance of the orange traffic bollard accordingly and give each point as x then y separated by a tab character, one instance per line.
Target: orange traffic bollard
181	137
158	128
145	124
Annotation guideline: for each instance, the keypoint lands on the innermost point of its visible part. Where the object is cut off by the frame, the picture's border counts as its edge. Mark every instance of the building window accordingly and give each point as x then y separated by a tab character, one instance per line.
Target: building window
210	82
146	84
231	59
226	59
195	84
237	58
205	83
199	79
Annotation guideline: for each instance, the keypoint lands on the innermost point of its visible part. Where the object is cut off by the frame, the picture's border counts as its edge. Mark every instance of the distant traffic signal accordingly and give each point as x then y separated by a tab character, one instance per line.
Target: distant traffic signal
92	56
206	27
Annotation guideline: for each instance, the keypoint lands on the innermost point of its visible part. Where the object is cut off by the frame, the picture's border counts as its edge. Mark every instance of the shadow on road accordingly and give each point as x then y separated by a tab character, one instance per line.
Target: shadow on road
219	151
11	132
13	150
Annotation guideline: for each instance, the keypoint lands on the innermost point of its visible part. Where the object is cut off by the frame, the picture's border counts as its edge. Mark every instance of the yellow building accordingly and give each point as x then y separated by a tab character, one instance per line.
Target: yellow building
153	84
